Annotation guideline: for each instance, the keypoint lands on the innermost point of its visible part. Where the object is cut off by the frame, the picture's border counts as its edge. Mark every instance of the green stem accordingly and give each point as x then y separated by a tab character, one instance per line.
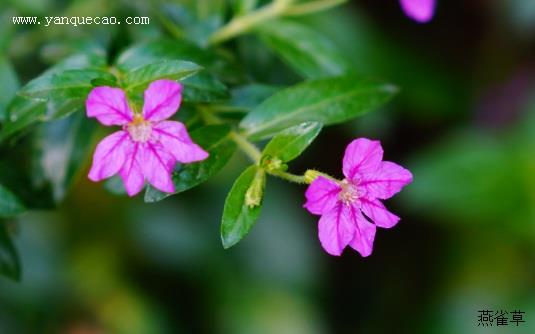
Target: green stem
241	24
311	175
312	7
208	116
246	146
288	176
254	153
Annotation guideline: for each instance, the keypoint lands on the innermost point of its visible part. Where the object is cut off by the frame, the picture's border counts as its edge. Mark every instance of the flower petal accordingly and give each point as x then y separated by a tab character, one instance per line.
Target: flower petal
162	99
386	181
321	195
419	10
362	156
109	156
175	139
157	165
131	172
336	229
109	106
377	212
364	235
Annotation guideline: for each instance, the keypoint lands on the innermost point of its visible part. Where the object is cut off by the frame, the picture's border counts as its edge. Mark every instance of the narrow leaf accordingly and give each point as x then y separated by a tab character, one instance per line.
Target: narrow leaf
21	112
65	84
139	78
8	85
290	143
306	51
146	53
240	211
328	101
204	87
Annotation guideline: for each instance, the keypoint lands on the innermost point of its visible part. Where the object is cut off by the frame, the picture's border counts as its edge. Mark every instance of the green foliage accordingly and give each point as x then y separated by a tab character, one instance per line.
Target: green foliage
215	140
244	6
227	103
262	78
303	49
290	143
500	177
138	79
60	149
204	87
241	211
66	84
10	205
328	101
9	259
145	53
8	85
245	98
56	93
21	113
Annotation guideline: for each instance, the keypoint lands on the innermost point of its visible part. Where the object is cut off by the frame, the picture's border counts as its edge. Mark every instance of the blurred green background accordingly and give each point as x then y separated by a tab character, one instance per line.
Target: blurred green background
464	124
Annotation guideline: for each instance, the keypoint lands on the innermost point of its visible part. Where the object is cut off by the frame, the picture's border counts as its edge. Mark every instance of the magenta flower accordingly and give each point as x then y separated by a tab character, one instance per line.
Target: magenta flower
351	209
147	147
419	10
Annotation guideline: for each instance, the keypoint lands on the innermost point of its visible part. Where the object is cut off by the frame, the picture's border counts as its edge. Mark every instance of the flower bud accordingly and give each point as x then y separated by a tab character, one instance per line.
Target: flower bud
272	164
255	193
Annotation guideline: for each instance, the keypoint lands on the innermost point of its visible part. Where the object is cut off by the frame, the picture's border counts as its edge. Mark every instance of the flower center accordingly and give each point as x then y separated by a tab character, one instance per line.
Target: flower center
349	193
139	129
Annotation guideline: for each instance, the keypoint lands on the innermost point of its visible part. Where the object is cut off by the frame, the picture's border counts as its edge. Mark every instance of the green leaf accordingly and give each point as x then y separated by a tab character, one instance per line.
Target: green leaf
8	85
89	59
240	212
50	101
290	143
21	112
60	149
64	85
9	259
306	51
204	87
10	205
139	78
162	49
328	101
248	97
104	82
60	108
215	140
195	20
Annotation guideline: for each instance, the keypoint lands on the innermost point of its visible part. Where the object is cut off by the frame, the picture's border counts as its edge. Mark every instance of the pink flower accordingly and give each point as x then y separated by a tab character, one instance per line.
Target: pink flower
419	10
351	209
147	147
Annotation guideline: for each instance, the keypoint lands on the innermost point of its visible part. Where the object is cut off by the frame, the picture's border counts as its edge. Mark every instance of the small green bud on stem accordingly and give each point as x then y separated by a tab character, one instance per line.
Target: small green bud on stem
255	193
